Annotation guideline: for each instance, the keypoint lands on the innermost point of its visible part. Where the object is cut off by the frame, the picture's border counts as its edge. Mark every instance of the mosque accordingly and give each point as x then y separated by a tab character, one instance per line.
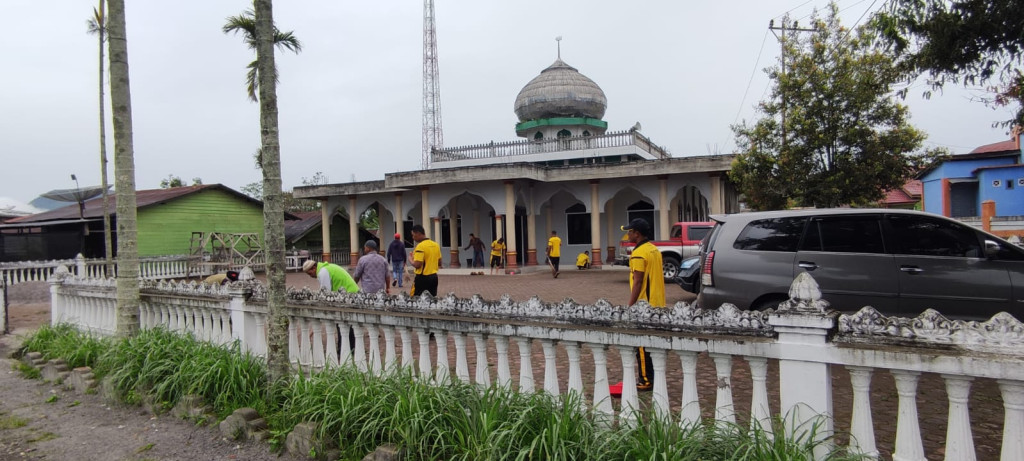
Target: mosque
569	175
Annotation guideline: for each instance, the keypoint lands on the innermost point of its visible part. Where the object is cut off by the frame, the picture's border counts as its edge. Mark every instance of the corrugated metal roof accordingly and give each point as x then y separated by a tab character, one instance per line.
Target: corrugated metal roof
296	229
143	198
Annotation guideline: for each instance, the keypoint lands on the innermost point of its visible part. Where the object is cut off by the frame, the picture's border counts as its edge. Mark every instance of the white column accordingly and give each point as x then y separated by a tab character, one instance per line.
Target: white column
483	375
630	402
595	225
325	229
504	372
360	350
406	336
399	214
376	367
425	211
660	398
441	374
453	233
959	443
1013	420
353	231
689	414
426	369
390	355
346	346
550	367
572	352
318	343
862	428
461	362
663	207
602	397
531	231
510	216
724	410
525	365
908	429
760	412
331	336
716	198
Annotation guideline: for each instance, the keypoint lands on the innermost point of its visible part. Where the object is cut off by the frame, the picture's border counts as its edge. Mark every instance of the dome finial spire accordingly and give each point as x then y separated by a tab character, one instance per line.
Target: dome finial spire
558	40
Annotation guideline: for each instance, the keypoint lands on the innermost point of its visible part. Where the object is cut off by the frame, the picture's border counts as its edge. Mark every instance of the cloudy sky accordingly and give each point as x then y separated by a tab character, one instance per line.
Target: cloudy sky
351	102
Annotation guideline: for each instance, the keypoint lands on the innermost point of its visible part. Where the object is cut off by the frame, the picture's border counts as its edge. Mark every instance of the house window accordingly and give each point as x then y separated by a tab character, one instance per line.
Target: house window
586	133
1009	184
577	224
538	136
564	134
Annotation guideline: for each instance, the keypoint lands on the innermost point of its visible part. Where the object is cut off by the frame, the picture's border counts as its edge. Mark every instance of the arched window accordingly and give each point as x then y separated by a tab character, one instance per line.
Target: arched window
641	209
577	225
586	133
538	136
564	134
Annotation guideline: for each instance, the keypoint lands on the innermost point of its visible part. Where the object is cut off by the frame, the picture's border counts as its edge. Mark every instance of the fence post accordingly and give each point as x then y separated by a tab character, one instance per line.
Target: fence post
803	324
3	307
243	323
57	302
80	266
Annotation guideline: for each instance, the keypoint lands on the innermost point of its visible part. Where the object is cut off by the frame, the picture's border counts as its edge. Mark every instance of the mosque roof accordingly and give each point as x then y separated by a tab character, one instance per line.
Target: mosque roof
560	91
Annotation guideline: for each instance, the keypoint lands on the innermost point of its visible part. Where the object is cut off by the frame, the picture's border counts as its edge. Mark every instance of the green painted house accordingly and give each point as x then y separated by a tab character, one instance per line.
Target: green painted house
167	219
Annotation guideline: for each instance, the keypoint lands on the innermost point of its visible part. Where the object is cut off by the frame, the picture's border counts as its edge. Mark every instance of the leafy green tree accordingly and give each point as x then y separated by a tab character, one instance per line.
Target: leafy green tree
127	307
974	42
175	181
245	24
97	25
831	133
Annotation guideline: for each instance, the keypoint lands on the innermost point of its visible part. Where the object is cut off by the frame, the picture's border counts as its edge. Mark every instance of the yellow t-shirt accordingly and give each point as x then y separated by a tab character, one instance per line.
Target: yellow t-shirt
429	253
582	259
555	245
497	248
647	259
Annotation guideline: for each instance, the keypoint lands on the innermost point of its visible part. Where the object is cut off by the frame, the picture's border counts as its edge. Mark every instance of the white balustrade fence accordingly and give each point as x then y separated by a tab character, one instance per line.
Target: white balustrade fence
448	338
160	267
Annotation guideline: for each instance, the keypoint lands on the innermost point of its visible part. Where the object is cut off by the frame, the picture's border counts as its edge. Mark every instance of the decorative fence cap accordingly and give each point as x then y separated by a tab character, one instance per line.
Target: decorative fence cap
1002	331
804	297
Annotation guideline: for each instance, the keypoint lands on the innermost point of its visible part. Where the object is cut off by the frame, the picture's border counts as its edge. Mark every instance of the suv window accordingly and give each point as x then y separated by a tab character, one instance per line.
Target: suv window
925	236
844	234
778	234
697	232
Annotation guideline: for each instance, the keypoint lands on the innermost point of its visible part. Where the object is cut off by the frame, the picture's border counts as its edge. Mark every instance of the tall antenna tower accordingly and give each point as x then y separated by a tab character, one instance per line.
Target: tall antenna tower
433	137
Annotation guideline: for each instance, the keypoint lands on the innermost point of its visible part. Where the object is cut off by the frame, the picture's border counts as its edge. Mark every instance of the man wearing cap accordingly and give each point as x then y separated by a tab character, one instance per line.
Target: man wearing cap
332	277
396	256
426	258
372	270
647	283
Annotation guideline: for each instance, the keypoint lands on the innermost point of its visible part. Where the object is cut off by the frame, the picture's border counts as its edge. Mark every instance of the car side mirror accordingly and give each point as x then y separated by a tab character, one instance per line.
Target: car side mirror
992	248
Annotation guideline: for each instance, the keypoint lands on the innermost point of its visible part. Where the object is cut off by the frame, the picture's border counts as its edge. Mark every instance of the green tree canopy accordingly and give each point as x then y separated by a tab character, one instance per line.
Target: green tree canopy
175	181
974	42
831	132
245	24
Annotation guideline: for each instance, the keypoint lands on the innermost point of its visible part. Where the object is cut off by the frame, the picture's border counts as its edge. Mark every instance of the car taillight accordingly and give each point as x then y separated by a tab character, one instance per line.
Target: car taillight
705	271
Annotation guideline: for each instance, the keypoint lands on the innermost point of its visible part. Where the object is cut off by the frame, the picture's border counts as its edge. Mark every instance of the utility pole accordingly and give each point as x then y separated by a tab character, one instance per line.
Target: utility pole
781	37
433	137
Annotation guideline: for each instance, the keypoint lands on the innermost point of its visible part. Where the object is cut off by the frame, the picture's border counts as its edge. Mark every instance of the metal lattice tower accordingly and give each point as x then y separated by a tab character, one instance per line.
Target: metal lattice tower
433	137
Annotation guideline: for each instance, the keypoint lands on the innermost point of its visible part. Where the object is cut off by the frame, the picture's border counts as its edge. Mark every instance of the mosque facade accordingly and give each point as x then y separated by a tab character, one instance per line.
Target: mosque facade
569	174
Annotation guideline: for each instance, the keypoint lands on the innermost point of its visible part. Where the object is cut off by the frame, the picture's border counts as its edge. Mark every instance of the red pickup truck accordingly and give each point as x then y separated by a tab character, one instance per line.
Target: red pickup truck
683	242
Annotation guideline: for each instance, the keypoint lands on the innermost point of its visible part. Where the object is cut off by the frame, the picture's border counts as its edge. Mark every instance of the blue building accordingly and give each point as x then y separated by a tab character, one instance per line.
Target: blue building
957	186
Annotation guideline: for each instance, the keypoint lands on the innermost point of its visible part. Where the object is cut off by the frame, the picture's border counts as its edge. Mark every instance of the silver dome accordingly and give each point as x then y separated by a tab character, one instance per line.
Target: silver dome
560	91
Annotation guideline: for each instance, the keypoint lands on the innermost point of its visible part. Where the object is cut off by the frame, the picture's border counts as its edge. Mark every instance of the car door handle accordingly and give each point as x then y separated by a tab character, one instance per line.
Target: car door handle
807	265
911	269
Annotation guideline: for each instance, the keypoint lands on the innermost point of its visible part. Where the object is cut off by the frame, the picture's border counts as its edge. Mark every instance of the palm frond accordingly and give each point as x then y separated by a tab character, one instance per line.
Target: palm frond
96	24
252	80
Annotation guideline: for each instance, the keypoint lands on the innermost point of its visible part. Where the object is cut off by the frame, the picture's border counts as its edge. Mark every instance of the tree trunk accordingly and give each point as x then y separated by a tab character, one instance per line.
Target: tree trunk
107	241
127	310
273	205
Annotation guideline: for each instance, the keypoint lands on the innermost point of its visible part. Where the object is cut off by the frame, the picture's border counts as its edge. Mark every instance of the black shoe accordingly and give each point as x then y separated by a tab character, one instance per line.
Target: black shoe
394	282
644	387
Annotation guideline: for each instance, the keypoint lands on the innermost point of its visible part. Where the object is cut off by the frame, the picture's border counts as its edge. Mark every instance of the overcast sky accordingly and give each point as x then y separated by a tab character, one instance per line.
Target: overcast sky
351	102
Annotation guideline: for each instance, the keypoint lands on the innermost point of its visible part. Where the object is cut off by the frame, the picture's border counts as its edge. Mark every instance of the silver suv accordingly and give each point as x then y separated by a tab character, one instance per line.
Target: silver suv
897	261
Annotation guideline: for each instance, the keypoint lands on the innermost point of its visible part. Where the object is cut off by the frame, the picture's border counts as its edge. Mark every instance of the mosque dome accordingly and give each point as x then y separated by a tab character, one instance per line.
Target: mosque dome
560	91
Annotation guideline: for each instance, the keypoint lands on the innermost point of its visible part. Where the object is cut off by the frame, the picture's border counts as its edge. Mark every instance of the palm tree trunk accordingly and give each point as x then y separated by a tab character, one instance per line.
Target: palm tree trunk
273	205
127	310
107	241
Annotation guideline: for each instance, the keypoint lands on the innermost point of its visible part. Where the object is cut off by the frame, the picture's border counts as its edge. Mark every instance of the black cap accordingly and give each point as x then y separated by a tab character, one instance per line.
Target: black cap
640	225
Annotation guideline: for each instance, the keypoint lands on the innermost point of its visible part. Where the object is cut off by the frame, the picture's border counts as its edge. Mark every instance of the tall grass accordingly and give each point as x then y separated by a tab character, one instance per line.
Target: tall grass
357	412
65	342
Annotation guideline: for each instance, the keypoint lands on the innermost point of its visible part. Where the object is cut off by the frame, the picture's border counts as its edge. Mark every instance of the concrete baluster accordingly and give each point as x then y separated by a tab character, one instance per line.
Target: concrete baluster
426	367
959	442
760	411
483	374
406	347
908	429
331	337
504	371
319	355
602	396
360	351
660	398
461	362
550	367
441	373
260	347
390	356
526	384
346	355
630	400
572	352
862	429
1013	420
293	340
725	412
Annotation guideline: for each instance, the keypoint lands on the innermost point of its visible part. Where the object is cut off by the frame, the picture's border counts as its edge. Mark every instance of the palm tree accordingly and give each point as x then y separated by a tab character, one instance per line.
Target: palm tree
98	26
245	23
263	38
127	309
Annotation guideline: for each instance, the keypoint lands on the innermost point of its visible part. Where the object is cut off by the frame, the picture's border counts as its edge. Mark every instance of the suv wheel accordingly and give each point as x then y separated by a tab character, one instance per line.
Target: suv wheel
670	264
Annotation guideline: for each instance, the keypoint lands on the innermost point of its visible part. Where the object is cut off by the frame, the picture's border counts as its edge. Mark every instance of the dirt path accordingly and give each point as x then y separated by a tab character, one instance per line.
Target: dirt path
39	420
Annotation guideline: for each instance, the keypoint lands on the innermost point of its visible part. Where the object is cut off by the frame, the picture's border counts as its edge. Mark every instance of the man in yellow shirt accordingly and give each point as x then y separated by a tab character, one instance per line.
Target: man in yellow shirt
583	260
554	253
647	283
497	253
426	258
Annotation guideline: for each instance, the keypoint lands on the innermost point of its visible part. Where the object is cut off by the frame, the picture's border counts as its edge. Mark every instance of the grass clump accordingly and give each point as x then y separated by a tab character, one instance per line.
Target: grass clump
64	341
12	422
